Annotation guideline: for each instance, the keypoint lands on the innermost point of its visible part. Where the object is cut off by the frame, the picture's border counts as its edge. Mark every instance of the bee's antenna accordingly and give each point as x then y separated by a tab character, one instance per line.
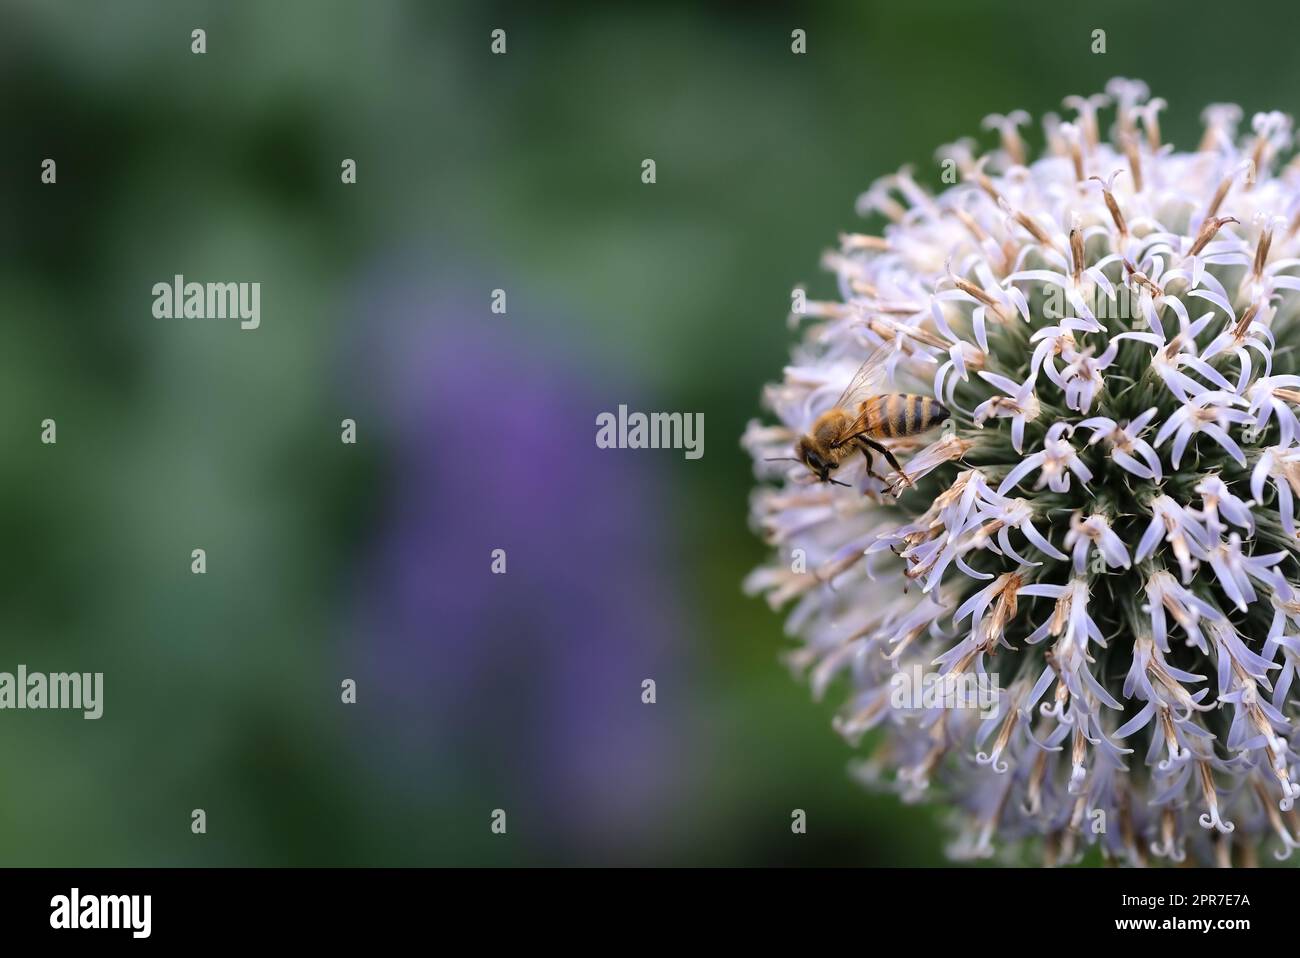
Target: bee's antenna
838	483
782	459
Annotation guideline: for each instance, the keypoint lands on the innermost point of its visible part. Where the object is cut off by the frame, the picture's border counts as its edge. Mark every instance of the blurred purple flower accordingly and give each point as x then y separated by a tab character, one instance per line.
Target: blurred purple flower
527	683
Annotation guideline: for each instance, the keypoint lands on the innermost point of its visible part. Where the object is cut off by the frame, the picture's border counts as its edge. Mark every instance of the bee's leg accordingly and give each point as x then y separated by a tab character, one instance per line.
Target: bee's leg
889	458
871	462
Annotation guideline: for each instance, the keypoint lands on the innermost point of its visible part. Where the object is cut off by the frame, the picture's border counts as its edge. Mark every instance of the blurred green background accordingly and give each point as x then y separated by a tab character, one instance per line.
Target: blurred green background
327	561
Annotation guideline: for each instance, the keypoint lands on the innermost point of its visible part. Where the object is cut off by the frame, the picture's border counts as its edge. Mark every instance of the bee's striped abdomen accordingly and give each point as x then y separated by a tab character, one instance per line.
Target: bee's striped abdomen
902	414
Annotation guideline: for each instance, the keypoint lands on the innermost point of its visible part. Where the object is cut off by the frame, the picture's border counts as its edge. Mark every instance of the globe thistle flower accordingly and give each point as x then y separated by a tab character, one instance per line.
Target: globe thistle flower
1104	532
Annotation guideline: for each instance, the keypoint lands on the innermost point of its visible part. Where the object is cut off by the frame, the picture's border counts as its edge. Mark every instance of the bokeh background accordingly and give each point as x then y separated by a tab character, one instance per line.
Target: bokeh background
476	430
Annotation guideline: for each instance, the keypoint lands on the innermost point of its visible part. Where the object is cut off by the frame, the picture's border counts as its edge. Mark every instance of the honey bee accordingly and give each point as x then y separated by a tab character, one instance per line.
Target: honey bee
858	420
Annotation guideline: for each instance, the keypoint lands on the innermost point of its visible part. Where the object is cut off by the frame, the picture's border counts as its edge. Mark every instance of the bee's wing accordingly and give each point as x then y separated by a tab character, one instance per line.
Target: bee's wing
866	378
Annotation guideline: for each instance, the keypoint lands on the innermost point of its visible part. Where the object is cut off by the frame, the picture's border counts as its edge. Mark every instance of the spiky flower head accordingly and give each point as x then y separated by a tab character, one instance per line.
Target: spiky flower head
1103	536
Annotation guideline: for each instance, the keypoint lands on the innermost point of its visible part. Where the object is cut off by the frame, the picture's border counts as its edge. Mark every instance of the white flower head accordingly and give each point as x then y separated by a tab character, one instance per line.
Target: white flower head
1103	535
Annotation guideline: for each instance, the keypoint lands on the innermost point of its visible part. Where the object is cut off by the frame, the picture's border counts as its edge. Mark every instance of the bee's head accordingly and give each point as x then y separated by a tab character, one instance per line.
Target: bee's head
819	465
